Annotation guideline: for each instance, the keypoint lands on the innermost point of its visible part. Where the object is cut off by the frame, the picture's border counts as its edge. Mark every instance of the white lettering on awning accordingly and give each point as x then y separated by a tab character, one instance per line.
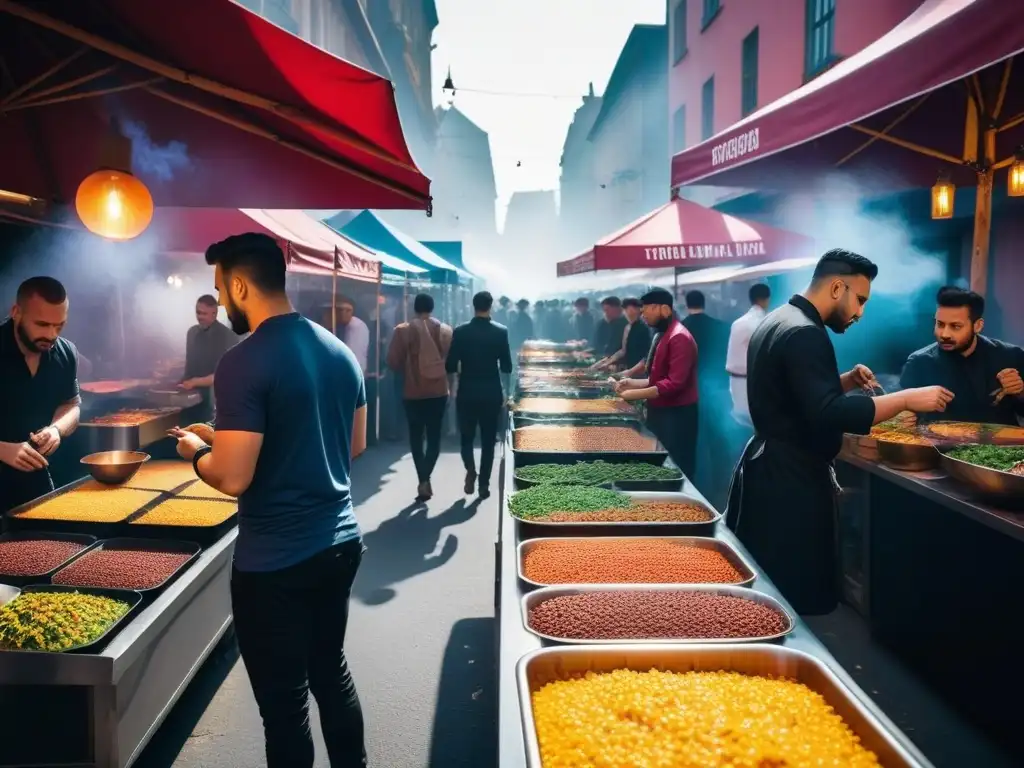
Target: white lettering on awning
736	147
742	250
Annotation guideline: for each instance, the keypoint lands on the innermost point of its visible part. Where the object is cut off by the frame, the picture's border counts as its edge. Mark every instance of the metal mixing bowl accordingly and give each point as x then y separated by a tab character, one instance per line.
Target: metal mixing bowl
114	467
908	457
990	483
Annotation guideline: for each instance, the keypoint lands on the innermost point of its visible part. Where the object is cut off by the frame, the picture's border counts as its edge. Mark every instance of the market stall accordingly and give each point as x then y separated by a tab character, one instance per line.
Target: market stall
619	563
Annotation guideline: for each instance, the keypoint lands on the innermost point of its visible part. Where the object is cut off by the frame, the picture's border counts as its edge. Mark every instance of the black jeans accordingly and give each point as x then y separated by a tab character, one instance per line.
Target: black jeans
425	419
676	428
482	414
291	634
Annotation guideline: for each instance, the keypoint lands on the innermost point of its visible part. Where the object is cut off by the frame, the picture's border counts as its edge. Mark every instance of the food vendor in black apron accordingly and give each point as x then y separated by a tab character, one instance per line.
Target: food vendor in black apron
782	502
39	399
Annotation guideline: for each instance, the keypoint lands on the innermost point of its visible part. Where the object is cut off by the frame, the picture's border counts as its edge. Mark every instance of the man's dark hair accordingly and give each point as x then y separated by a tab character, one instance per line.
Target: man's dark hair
483	301
632	302
48	289
207	300
695	300
504	300
952	296
423	302
257	255
523	303
611	301
839	262
657	296
341	301
582	301
759	292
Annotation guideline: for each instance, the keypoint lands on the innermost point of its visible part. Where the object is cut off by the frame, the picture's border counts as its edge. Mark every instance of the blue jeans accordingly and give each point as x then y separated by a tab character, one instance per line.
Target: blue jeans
291	626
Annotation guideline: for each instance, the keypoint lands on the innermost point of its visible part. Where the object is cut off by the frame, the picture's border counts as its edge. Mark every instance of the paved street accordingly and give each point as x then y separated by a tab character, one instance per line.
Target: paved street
420	640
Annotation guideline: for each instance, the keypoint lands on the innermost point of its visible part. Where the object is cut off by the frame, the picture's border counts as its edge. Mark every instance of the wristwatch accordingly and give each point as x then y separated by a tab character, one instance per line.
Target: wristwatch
198	455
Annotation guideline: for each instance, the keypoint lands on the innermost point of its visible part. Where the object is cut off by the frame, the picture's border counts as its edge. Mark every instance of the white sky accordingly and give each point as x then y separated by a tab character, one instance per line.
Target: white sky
530	47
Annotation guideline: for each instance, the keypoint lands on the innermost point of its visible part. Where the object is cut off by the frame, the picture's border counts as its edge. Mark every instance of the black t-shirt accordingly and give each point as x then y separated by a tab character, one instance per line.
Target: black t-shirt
28	405
972	380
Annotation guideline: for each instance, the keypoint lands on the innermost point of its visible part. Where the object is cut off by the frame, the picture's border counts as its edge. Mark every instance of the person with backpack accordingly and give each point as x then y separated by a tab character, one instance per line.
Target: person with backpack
418	351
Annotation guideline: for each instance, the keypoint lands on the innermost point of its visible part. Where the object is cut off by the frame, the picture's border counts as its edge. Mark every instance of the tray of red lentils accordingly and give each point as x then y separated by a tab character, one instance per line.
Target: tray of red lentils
144	565
545	562
702	705
33	558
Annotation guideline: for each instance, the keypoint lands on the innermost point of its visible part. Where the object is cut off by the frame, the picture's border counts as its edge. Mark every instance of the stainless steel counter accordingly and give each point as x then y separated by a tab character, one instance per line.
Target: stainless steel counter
515	641
132	685
937	486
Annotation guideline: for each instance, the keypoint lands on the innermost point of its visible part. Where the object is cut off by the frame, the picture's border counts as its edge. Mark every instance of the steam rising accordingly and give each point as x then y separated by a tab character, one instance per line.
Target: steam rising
157	161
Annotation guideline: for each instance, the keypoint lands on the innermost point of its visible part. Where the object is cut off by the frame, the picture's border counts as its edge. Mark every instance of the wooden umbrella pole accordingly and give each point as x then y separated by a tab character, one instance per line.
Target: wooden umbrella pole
334	295
61	87
81	95
350	169
30	84
198	81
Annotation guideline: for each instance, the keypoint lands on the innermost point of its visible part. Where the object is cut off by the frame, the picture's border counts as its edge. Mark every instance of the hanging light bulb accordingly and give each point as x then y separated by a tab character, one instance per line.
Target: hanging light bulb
110	201
943	194
1015	181
448	84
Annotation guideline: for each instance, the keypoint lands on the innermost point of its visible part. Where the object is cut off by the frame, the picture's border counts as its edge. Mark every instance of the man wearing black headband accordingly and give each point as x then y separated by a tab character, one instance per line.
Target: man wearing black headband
782	504
670	389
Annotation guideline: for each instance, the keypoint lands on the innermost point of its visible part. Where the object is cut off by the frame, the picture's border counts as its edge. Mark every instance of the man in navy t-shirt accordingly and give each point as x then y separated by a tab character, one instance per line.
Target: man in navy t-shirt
291	415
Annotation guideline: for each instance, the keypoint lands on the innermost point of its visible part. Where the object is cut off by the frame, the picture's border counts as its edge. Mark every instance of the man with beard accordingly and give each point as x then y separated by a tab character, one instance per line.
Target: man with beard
983	373
291	416
38	389
782	504
205	344
670	389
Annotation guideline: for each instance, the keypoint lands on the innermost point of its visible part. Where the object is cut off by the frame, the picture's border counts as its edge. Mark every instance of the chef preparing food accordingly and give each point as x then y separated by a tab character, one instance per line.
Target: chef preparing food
983	373
205	345
38	389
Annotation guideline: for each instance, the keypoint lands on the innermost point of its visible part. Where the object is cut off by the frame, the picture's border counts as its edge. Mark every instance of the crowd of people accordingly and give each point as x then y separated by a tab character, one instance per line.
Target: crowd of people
290	405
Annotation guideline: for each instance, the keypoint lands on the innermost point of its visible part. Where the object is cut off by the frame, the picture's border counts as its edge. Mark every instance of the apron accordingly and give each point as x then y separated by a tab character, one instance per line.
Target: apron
783	506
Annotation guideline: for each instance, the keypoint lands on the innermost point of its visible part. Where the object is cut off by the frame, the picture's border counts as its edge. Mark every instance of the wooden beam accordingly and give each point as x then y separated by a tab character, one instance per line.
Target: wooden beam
902	143
294	114
256	130
983	217
59	88
895	122
29	85
1004	84
83	95
1013	122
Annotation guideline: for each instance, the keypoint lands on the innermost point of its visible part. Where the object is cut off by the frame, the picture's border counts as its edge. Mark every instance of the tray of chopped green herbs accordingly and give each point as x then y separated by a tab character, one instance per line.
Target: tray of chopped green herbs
60	619
627	475
995	471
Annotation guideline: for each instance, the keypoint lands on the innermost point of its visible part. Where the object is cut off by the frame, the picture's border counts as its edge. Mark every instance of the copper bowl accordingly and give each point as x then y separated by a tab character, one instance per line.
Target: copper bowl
114	467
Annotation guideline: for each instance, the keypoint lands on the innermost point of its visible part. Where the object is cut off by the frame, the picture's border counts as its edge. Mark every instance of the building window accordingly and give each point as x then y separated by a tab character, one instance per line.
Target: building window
750	55
679	32
711	9
707	109
679	130
821	30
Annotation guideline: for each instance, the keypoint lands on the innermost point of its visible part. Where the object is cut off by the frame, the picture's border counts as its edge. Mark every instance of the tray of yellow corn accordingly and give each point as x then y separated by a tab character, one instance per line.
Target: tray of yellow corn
84	506
203	520
707	705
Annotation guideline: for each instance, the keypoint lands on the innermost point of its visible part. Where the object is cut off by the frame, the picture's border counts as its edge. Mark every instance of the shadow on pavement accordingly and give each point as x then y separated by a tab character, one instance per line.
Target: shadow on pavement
406	546
167	743
466	718
370	469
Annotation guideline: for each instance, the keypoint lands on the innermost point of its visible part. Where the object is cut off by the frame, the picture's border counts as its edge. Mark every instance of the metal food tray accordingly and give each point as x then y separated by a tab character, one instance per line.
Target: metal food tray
204	535
985	434
702	542
523	457
101	530
147	545
532	599
530	418
990	483
538	668
130	596
118	437
585	393
705	528
87	541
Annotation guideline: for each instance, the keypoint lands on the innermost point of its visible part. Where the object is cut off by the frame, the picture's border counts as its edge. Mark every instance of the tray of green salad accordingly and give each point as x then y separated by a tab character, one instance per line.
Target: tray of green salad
623	476
995	471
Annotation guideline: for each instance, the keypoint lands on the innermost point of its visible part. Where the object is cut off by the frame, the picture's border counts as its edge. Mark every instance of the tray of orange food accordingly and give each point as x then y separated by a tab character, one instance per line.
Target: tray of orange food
973	432
85	506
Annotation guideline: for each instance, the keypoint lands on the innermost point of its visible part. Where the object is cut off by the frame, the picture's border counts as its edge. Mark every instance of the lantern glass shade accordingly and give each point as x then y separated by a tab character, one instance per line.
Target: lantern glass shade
114	204
943	194
1015	185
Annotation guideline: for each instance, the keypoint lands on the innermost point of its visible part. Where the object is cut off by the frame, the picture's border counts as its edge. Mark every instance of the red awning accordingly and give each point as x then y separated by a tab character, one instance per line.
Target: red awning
310	245
938	45
224	108
685	234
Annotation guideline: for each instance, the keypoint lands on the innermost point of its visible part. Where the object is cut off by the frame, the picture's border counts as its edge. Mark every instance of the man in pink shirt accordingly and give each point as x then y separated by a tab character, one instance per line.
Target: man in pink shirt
670	389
